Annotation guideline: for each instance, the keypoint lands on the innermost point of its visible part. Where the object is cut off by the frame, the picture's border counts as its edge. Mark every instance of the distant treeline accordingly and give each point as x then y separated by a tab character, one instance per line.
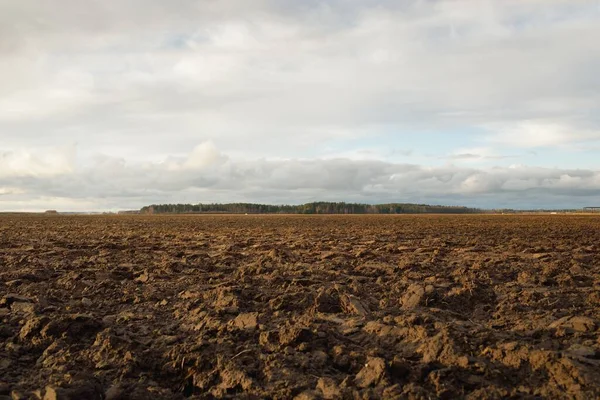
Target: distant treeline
309	208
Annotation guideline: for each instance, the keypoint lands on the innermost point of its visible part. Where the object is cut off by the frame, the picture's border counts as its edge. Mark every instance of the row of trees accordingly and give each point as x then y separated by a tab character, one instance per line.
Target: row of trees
309	208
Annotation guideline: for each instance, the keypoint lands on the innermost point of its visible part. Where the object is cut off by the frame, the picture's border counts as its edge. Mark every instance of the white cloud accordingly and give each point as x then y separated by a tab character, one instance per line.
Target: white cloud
202	156
539	134
41	163
10	190
286	82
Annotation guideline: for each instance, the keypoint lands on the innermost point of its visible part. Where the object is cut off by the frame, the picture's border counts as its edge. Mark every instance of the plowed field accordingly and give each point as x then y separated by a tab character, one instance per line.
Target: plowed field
357	307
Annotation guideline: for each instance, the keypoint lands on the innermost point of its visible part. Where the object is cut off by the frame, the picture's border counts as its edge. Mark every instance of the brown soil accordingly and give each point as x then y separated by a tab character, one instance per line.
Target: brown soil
357	307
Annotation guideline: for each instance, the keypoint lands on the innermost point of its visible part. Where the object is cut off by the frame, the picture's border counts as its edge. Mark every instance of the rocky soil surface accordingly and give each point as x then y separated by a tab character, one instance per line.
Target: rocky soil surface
305	307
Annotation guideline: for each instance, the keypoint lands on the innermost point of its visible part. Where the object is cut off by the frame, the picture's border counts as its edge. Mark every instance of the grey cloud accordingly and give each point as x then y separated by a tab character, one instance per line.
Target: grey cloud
229	70
117	183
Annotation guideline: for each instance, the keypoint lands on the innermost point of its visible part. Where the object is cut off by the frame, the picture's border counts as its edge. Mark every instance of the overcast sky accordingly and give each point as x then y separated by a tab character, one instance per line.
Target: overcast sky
108	105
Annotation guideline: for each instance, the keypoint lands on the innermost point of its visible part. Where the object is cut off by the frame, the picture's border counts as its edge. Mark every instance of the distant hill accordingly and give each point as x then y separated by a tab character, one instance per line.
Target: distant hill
308	208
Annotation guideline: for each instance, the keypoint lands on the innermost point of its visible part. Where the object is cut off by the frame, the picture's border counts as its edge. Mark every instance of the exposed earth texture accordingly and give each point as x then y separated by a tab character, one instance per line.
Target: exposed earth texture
305	307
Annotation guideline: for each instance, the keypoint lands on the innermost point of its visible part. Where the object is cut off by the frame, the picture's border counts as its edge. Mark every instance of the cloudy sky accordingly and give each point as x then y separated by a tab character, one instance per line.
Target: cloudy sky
108	105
